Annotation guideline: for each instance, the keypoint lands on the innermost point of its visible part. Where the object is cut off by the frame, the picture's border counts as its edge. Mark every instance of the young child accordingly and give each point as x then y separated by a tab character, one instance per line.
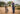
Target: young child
6	9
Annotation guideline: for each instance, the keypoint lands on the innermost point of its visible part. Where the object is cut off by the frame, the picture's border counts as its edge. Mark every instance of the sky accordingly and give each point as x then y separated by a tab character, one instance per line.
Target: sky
8	0
17	2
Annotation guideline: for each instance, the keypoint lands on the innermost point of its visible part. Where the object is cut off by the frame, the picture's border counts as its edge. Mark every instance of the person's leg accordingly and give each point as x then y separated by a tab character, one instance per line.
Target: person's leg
13	10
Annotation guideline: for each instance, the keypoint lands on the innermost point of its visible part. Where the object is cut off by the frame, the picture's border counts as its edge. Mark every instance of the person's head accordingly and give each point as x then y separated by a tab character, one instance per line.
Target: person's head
9	5
12	2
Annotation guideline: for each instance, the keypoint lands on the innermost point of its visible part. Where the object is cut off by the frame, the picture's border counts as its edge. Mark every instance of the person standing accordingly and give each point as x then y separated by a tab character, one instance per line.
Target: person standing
13	7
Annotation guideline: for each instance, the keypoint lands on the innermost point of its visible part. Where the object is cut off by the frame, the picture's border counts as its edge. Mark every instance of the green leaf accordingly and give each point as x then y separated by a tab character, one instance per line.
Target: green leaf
9	2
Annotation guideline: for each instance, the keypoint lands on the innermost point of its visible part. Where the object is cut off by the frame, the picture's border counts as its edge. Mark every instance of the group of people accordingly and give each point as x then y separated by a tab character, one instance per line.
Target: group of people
13	8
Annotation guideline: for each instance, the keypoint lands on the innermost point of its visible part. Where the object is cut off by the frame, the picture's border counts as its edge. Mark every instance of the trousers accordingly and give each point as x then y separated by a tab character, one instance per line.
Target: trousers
13	9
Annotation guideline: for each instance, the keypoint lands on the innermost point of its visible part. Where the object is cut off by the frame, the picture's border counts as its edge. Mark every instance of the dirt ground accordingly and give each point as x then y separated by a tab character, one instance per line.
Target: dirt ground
10	10
2	10
17	11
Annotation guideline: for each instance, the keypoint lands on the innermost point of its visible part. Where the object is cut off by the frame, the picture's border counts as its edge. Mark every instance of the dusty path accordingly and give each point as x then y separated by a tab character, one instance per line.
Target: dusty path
10	10
2	10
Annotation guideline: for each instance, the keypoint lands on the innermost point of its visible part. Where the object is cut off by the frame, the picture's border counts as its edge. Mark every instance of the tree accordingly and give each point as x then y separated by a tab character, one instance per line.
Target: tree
16	5
2	4
9	2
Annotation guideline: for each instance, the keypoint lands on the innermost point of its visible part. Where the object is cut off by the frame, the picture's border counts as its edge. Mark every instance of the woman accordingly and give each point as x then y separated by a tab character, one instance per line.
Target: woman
13	7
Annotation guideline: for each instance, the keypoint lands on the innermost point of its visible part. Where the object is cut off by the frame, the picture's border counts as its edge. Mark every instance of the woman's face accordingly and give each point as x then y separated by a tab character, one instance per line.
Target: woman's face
12	2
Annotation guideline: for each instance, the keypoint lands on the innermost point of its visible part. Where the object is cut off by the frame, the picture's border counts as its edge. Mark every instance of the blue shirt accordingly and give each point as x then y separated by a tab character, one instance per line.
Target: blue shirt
12	4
